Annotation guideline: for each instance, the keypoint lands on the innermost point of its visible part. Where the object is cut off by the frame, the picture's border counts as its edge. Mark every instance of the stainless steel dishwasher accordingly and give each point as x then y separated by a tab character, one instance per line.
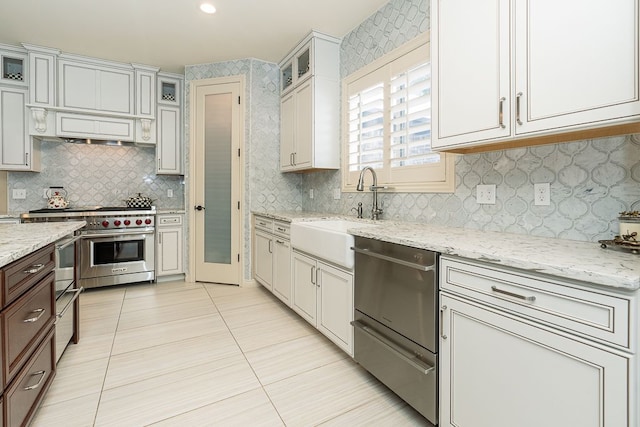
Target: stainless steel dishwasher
395	326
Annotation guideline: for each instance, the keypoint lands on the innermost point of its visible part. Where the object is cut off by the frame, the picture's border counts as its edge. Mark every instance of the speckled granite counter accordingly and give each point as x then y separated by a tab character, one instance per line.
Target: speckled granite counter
18	240
570	259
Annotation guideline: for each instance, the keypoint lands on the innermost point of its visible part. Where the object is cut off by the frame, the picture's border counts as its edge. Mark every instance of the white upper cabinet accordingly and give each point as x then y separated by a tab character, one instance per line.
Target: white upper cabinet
16	147
89	86
513	70
309	115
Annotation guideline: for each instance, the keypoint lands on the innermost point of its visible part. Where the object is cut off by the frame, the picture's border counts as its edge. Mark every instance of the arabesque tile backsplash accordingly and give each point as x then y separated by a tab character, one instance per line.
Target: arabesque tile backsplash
96	175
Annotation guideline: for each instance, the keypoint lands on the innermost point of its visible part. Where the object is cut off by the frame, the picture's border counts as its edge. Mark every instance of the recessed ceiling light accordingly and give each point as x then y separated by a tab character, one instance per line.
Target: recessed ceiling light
207	8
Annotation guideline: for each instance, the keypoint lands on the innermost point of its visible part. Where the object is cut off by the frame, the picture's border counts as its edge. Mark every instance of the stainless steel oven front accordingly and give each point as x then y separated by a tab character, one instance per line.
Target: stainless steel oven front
112	257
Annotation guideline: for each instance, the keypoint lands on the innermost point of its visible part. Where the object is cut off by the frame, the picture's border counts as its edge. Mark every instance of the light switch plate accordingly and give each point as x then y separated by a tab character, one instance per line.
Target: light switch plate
311	193
169	192
336	194
486	194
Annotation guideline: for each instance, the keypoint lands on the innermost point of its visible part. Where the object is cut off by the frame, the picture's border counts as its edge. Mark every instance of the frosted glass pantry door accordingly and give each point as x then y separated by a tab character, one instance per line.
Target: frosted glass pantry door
217	166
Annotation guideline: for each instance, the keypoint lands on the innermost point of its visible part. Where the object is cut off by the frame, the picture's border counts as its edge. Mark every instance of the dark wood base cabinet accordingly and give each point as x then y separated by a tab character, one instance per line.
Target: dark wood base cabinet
27	335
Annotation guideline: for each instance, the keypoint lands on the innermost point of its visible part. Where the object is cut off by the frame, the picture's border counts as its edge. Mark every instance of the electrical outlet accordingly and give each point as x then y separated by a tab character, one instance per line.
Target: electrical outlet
486	194
336	194
45	192
542	194
311	193
20	194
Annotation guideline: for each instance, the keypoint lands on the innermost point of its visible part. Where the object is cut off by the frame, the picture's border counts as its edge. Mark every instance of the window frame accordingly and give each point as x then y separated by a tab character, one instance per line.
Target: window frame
435	178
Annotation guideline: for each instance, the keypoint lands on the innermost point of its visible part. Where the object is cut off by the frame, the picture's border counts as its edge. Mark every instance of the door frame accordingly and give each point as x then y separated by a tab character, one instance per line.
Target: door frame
190	179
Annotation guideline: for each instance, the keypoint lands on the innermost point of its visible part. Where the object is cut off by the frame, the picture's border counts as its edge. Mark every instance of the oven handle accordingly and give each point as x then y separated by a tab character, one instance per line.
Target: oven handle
394	260
67	243
128	233
403	354
66	307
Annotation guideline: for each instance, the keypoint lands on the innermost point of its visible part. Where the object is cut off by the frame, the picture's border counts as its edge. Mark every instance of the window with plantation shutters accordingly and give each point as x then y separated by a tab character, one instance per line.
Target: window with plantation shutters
387	124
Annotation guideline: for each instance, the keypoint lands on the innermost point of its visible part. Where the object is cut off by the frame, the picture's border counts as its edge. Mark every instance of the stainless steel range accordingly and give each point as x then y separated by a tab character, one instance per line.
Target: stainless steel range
116	246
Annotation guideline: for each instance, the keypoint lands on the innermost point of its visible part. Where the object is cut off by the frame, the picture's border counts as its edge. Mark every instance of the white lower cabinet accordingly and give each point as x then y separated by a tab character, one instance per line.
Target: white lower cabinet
263	260
169	245
499	368
272	257
323	295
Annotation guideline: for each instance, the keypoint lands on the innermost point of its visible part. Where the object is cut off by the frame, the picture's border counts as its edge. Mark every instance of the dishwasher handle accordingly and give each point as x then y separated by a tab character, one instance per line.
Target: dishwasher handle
404	263
403	354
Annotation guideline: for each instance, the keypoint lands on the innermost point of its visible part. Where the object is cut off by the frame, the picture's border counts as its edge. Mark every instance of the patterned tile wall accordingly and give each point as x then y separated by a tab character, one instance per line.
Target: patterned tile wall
591	181
96	175
265	188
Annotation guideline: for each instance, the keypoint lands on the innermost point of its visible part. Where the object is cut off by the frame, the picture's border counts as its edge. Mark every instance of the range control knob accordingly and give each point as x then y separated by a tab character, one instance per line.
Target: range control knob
105	224
138	221
147	221
117	223
127	222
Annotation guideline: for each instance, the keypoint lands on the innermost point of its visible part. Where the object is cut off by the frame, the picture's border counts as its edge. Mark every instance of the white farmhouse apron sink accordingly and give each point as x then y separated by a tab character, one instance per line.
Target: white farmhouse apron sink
327	239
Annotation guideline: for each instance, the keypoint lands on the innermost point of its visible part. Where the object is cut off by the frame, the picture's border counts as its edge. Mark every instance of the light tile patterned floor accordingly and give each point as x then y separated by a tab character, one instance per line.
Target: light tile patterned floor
194	354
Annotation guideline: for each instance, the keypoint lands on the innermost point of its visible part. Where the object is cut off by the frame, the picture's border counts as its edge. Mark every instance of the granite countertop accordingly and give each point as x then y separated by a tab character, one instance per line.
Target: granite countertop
18	240
570	259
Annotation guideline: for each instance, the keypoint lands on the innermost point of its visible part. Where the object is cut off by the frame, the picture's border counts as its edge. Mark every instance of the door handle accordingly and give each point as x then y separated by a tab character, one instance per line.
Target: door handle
199	208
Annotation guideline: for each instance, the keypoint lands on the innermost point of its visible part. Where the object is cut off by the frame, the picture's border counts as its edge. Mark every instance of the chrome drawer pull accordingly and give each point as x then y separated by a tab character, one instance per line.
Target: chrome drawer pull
34	269
394	260
444	307
40	312
36	385
511	294
280	242
501	112
400	352
281	229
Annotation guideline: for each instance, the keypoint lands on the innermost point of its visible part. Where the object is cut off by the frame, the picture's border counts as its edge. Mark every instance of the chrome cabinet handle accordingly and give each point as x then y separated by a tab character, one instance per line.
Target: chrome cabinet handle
270	248
294	158
40	312
281	229
159	238
313	269
280	242
518	96
291	159
26	159
34	269
511	294
402	353
317	282
501	112
442	309
36	385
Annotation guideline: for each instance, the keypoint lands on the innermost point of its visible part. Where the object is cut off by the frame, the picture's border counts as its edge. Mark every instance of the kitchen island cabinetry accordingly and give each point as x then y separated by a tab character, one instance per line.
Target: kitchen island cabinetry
309	119
496	76
28	315
527	350
170	245
272	257
323	296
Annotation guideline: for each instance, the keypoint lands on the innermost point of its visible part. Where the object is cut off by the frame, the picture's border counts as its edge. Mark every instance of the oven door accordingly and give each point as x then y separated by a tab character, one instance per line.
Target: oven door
113	254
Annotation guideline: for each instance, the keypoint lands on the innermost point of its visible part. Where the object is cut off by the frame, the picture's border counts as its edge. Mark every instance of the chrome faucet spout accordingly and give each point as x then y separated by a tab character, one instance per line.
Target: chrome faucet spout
375	211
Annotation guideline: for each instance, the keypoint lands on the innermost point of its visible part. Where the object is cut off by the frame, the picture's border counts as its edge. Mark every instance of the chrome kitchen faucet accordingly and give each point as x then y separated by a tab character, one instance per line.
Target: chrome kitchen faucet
375	211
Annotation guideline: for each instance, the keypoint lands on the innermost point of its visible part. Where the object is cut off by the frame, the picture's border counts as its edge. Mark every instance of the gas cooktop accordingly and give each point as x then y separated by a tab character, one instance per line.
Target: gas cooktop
92	209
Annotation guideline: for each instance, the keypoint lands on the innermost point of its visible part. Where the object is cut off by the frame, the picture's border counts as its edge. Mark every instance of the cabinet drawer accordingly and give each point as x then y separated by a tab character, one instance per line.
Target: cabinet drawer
263	223
170	220
25	322
22	274
281	228
29	387
591	313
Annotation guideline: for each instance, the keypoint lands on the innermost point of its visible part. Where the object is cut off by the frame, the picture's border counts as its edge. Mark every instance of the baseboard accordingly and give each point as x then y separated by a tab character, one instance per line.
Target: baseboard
171	278
251	283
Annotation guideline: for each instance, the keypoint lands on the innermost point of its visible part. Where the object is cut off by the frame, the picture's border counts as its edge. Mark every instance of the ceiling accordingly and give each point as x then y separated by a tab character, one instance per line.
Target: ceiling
174	33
